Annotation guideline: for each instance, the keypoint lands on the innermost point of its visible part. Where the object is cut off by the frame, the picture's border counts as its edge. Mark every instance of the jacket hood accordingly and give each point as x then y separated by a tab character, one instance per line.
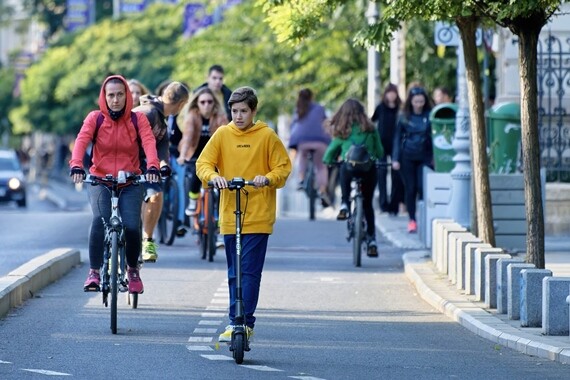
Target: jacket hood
153	101
255	127
129	101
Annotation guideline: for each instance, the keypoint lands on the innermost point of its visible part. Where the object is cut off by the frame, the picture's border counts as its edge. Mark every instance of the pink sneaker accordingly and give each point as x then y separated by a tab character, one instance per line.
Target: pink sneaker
412	226
135	282
93	282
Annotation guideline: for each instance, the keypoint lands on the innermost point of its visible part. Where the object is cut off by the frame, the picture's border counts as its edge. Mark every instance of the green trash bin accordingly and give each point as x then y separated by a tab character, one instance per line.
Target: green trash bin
442	118
504	137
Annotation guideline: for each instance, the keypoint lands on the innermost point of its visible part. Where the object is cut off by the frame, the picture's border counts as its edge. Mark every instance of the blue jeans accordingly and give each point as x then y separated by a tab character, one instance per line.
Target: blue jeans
180	171
130	201
253	249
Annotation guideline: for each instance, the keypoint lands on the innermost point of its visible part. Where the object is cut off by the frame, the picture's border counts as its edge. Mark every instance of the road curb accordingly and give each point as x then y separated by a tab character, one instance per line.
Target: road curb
448	301
26	280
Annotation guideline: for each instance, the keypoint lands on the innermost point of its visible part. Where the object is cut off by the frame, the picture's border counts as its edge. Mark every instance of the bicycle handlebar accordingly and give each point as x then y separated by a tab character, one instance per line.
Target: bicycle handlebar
119	180
377	163
237	183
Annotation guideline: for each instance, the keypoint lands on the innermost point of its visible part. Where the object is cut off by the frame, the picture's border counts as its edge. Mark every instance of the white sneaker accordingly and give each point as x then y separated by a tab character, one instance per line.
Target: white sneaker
220	241
191	209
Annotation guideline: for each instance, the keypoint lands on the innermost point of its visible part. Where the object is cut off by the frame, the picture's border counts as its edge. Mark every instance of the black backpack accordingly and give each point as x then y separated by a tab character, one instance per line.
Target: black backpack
357	158
100	119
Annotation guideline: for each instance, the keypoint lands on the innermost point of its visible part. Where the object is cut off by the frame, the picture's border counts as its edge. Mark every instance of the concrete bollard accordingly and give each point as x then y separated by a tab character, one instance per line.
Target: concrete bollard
454	255
514	289
436	236
468	282
531	296
491	279
555	290
460	259
479	270
502	282
446	229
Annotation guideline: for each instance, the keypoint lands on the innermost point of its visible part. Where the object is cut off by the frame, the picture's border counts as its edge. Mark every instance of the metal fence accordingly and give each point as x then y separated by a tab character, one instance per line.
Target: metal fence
553	101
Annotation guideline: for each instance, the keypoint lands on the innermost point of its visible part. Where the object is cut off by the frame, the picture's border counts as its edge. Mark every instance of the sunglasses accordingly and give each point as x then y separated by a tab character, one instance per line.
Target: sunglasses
202	102
417	91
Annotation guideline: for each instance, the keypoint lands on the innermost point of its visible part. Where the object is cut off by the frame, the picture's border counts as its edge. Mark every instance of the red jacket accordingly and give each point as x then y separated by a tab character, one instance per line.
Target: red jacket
116	147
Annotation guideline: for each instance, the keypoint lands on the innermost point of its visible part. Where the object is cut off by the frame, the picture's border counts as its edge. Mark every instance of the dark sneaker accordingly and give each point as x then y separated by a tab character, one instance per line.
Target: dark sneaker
372	248
325	200
301	186
93	282
135	282
342	212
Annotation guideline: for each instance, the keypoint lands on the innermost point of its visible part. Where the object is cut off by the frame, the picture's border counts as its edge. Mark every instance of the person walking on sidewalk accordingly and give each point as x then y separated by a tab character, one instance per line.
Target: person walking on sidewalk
308	134
115	147
351	126
204	114
413	148
157	109
386	117
253	151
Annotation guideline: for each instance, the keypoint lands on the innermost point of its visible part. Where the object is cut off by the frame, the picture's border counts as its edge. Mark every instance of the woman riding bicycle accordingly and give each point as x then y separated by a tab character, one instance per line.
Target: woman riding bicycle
115	147
350	125
308	134
203	116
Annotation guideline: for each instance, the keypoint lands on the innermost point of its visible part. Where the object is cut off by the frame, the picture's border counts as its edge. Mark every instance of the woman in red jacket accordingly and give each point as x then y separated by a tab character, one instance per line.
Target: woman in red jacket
116	147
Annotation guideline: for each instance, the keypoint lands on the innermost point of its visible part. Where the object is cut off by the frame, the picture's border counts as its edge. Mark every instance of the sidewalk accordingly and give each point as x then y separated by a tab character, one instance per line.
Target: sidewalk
436	290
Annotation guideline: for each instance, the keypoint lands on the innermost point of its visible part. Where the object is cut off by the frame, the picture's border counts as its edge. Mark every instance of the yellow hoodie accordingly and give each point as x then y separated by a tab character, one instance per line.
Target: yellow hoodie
236	153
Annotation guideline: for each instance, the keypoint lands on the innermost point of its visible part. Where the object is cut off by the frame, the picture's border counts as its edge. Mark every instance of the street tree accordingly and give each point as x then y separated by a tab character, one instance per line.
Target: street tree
301	20
526	19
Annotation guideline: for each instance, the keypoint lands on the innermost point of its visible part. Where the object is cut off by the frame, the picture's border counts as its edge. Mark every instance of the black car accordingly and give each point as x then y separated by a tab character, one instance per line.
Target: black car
12	179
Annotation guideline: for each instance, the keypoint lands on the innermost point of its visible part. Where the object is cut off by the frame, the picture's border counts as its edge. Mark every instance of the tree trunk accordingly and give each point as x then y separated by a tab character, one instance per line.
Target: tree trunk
528	31
480	176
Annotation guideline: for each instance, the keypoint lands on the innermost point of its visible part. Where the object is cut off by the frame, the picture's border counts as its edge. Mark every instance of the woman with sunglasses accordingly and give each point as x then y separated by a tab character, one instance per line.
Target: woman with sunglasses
203	116
412	149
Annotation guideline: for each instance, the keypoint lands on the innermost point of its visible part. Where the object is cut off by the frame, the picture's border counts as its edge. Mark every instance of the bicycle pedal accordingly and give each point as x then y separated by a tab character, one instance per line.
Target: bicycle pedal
150	261
92	288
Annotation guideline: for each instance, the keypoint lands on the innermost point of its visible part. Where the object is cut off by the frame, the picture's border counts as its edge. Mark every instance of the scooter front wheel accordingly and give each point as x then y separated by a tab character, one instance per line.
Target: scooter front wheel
238	346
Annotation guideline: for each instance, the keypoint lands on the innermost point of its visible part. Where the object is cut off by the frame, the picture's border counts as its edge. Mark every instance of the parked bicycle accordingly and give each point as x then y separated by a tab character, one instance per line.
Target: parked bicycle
114	269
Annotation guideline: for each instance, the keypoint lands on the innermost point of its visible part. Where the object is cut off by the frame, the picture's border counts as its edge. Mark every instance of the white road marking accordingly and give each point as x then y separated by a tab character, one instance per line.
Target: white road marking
306	378
200	339
222	295
216	308
216	357
210	323
218	300
199	330
262	368
213	315
199	348
3	362
46	372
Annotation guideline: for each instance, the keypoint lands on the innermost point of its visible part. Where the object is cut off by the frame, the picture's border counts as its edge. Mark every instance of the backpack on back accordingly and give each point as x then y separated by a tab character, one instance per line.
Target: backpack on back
357	158
100	119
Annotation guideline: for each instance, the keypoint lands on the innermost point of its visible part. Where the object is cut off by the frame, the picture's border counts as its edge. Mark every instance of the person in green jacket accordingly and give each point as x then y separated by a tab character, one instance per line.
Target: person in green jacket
351	125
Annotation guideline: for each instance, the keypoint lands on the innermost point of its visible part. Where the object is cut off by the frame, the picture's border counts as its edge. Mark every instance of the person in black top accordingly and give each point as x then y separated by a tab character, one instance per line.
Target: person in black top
386	116
215	82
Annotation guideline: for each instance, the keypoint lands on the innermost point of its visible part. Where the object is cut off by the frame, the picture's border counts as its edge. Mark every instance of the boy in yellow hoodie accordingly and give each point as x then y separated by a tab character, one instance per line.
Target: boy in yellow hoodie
253	151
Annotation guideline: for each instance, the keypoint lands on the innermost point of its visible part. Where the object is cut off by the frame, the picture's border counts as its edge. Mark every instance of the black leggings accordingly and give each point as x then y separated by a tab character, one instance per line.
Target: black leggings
368	185
412	176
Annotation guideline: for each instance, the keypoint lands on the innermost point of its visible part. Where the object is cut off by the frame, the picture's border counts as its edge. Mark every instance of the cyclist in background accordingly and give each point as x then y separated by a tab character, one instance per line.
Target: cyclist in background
157	109
203	116
116	148
308	133
351	126
215	82
137	90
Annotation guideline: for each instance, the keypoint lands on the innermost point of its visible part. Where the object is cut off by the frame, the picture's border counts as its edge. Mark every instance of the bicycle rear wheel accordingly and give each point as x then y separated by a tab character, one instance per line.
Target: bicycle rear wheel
310	189
168	222
114	279
358	214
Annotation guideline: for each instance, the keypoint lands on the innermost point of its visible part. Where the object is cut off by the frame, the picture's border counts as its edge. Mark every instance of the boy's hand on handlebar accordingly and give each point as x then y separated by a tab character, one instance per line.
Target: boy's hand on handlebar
396	165
260	181
219	182
152	174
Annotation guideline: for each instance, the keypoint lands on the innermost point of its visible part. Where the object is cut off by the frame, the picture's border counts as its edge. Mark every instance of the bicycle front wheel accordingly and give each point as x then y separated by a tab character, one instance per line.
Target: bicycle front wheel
114	279
358	215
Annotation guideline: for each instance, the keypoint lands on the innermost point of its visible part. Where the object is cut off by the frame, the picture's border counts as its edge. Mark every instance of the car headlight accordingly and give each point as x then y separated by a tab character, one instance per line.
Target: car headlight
14	183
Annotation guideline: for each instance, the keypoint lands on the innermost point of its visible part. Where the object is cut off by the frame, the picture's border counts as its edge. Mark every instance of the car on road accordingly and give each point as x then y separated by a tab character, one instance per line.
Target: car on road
12	179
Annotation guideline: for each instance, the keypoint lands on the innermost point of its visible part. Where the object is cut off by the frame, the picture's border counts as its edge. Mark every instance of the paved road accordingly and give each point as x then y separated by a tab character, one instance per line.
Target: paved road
318	318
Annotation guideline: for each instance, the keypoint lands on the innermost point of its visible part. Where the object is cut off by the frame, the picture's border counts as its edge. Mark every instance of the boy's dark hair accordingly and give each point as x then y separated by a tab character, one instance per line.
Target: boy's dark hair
246	95
217	68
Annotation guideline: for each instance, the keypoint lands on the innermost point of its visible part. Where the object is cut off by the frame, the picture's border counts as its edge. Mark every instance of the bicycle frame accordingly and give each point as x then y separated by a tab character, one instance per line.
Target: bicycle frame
309	184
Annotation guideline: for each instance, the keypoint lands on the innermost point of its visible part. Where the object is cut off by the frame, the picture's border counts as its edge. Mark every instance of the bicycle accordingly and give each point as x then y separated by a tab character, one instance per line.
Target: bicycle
308	184
239	342
114	268
206	221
